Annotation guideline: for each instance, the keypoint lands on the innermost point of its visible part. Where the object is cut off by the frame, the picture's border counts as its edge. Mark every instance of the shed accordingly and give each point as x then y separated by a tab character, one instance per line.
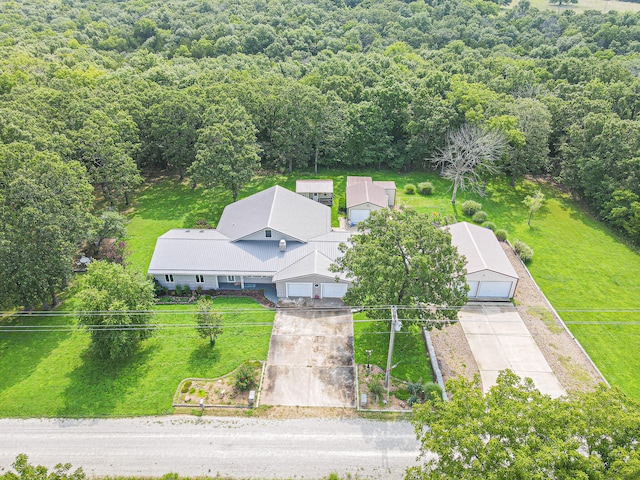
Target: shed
318	190
490	275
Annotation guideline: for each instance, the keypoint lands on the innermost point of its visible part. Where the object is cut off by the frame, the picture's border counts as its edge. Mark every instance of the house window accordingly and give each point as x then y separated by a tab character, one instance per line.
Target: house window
199	278
231	278
168	278
267	233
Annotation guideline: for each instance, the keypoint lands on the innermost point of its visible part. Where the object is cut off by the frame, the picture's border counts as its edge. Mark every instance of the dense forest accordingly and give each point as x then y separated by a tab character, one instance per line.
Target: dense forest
93	93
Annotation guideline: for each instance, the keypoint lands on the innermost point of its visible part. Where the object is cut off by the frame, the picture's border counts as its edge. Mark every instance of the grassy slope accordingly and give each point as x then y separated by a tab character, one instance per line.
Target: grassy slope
51	374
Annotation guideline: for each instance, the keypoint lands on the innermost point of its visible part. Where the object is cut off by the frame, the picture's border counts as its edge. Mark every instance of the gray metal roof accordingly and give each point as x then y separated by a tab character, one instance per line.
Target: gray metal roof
191	252
314	186
276	208
386	184
354	180
314	263
363	192
481	248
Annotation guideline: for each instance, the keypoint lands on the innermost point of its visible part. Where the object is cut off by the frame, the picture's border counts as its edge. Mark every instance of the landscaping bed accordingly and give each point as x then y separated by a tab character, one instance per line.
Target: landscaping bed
223	391
257	295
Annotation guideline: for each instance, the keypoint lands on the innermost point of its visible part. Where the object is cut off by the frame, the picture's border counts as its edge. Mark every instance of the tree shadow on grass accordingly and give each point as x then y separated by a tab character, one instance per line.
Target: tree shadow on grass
22	352
202	360
98	386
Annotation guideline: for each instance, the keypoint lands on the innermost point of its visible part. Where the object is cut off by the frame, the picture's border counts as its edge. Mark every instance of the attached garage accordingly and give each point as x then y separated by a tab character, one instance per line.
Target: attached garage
333	290
299	289
490	275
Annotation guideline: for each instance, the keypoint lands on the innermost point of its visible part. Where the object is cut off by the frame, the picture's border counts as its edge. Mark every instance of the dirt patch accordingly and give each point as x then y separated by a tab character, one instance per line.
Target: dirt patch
454	353
567	360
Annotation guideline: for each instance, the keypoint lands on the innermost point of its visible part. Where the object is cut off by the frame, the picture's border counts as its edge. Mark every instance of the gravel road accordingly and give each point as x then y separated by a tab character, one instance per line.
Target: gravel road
234	447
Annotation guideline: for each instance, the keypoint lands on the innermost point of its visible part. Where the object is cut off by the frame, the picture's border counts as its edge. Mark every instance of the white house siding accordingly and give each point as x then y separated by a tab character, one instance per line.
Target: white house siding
275	236
391	197
281	286
476	280
210	281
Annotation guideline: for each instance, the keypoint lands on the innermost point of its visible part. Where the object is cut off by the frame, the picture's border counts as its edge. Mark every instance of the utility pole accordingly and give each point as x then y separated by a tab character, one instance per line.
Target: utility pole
394	326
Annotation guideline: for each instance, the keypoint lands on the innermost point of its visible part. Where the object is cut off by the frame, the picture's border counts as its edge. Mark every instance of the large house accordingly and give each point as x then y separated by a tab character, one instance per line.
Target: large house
275	239
365	196
282	242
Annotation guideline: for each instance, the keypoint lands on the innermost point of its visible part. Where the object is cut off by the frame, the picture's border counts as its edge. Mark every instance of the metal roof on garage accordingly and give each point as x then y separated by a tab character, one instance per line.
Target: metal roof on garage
366	192
314	263
481	248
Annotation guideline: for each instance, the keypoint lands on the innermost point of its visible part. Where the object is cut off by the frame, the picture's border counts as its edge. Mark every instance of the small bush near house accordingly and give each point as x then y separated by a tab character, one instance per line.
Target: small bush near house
425	188
501	234
490	225
178	290
202	224
186	386
186	290
523	250
470	207
245	377
410	189
479	217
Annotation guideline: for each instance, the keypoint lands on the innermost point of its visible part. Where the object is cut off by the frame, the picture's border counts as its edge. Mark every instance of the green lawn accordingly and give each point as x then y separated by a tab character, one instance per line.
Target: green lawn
50	373
409	351
578	262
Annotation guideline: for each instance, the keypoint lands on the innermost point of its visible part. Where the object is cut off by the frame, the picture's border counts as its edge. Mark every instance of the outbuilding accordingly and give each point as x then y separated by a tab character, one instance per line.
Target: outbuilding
490	275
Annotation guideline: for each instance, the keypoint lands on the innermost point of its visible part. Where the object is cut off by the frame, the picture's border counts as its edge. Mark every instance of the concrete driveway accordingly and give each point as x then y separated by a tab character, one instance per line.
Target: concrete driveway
499	339
310	360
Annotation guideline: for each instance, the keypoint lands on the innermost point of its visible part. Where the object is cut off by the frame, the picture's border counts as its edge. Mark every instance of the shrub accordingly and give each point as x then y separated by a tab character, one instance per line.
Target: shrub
501	234
342	205
199	290
186	290
186	386
425	188
410	189
376	388
490	225
479	217
178	290
470	207
523	250
202	224
245	377
402	394
432	391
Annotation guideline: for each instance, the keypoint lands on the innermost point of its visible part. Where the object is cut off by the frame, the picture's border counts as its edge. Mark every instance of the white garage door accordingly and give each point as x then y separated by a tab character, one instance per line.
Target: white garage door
473	289
299	289
359	215
334	290
494	289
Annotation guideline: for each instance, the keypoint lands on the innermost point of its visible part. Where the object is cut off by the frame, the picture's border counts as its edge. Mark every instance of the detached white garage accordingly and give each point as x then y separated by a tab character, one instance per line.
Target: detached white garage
490	275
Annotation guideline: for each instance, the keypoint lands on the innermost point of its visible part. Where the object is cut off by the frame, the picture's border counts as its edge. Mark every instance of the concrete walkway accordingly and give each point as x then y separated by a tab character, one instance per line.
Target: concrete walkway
310	362
499	339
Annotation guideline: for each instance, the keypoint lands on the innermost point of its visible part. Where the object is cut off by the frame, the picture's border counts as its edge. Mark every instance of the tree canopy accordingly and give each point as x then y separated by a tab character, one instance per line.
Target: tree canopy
400	257
516	432
114	306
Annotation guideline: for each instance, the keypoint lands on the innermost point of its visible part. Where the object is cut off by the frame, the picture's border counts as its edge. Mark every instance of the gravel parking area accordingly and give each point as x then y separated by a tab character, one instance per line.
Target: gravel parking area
572	367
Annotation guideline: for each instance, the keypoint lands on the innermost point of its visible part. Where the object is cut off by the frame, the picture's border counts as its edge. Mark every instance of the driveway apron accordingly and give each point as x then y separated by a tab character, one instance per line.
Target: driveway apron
310	360
499	339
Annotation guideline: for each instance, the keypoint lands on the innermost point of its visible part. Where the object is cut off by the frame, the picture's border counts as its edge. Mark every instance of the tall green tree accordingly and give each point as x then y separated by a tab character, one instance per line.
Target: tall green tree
26	471
399	257
114	305
209	323
227	153
45	206
513	431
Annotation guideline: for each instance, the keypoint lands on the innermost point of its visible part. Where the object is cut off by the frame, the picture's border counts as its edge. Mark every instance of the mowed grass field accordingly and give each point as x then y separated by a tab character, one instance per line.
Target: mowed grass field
51	374
584	5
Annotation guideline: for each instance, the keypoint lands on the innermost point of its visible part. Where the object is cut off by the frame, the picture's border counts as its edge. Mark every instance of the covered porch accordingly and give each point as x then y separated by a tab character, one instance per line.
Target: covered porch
269	288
